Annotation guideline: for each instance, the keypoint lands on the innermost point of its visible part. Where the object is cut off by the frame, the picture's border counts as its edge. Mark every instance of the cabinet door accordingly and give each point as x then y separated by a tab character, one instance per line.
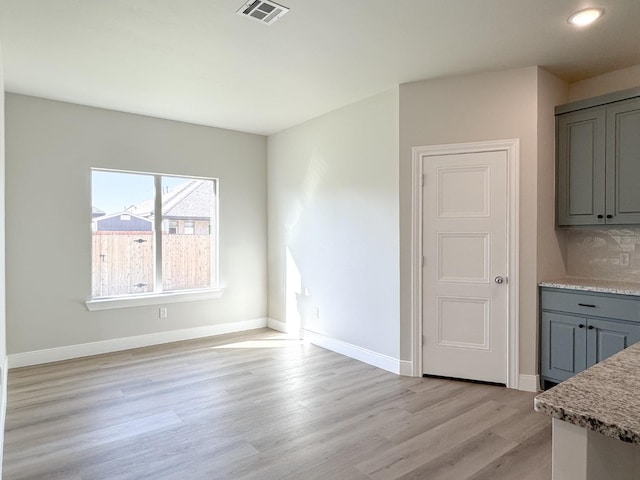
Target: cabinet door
607	337
562	346
581	167
623	163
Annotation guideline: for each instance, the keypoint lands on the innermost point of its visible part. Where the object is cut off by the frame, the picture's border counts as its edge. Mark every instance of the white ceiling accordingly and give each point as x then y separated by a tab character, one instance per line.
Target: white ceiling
197	61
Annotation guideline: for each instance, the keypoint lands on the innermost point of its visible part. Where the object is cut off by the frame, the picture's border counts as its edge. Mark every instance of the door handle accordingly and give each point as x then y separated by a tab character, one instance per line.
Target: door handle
499	280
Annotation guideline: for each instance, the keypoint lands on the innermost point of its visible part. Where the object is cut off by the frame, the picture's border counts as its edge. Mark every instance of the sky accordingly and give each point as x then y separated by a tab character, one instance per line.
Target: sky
113	192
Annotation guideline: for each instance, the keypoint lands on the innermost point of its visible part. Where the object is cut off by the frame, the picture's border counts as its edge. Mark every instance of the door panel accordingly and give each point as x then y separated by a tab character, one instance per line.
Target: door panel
606	338
623	167
463	322
581	167
465	247
463	191
564	346
463	257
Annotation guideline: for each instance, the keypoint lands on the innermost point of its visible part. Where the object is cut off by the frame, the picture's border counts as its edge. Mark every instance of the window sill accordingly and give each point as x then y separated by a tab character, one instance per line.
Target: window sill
151	299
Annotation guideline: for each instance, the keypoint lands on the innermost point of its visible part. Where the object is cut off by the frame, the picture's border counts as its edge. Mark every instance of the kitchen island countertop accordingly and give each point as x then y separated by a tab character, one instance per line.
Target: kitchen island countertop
604	398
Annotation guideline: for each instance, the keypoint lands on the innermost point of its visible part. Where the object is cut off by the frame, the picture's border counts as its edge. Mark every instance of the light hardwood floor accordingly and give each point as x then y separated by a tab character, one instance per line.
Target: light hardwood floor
261	406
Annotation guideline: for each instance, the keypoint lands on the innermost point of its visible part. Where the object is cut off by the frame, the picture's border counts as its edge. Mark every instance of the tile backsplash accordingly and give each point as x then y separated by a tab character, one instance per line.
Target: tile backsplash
611	254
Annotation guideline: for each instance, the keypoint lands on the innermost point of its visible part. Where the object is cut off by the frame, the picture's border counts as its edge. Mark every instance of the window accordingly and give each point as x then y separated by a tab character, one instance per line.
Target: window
138	247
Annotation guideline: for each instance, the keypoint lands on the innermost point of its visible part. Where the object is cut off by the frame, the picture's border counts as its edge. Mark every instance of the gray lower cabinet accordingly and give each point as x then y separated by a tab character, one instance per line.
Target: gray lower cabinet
563	346
579	330
598	162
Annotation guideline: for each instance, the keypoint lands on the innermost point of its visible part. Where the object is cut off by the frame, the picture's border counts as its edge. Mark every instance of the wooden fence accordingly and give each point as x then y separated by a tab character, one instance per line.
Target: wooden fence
123	262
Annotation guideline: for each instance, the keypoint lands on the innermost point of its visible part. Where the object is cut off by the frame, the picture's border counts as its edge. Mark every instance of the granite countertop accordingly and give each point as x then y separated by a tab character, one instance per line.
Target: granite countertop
594	285
604	398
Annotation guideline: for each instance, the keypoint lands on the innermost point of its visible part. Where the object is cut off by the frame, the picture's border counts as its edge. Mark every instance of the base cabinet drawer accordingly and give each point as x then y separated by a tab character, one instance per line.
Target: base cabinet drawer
572	340
619	308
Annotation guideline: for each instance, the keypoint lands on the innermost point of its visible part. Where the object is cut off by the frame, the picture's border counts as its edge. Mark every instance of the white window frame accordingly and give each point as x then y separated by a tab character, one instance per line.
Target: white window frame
158	296
192	227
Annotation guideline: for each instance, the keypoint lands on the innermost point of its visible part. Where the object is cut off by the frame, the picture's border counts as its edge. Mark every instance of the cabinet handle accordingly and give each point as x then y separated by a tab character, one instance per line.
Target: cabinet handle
600	216
590	327
609	216
581	326
587	305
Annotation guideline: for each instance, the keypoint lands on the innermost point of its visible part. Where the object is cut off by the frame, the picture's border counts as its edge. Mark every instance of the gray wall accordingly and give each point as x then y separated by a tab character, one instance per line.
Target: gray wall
50	149
333	224
3	343
3	306
606	83
489	106
551	242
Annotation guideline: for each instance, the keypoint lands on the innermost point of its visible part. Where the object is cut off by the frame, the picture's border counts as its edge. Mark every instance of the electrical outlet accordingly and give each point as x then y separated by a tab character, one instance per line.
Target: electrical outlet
316	313
162	312
624	259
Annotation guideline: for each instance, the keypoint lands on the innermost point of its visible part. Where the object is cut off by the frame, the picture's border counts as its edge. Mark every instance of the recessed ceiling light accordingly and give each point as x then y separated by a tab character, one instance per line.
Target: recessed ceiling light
585	17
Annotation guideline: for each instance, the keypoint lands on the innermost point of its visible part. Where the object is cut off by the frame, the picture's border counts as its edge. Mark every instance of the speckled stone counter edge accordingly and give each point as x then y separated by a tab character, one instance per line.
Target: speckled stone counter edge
588	422
580	401
594	285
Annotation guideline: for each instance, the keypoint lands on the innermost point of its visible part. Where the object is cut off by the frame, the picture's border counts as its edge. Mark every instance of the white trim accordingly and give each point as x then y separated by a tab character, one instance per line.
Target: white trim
406	368
215	289
117	344
151	299
370	357
277	325
416	264
512	148
285	327
528	383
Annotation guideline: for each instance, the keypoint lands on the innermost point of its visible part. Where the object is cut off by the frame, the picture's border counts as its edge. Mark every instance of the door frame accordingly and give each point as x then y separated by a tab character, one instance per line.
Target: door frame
512	149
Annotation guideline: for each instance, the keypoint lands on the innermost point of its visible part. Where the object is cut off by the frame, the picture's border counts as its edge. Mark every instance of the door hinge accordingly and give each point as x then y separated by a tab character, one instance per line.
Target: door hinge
422	261
423	179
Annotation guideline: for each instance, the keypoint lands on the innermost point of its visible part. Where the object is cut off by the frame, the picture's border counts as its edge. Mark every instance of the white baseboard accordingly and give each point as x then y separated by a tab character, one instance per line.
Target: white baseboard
376	359
117	344
529	383
289	329
406	368
277	325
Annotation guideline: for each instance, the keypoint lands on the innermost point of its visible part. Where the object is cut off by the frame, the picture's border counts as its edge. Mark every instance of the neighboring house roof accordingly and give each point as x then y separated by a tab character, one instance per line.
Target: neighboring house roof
96	212
122	222
112	215
192	199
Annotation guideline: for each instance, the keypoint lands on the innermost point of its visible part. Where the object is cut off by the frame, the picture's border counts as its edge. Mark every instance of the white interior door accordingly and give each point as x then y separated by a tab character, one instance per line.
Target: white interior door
465	245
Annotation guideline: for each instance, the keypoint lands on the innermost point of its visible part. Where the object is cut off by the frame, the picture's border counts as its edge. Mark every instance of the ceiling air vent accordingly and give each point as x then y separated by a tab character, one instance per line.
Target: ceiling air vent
262	11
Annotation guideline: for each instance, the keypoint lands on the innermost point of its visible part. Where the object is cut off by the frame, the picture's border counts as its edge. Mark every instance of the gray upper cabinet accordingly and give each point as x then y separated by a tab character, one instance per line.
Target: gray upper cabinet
581	167
598	162
623	163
